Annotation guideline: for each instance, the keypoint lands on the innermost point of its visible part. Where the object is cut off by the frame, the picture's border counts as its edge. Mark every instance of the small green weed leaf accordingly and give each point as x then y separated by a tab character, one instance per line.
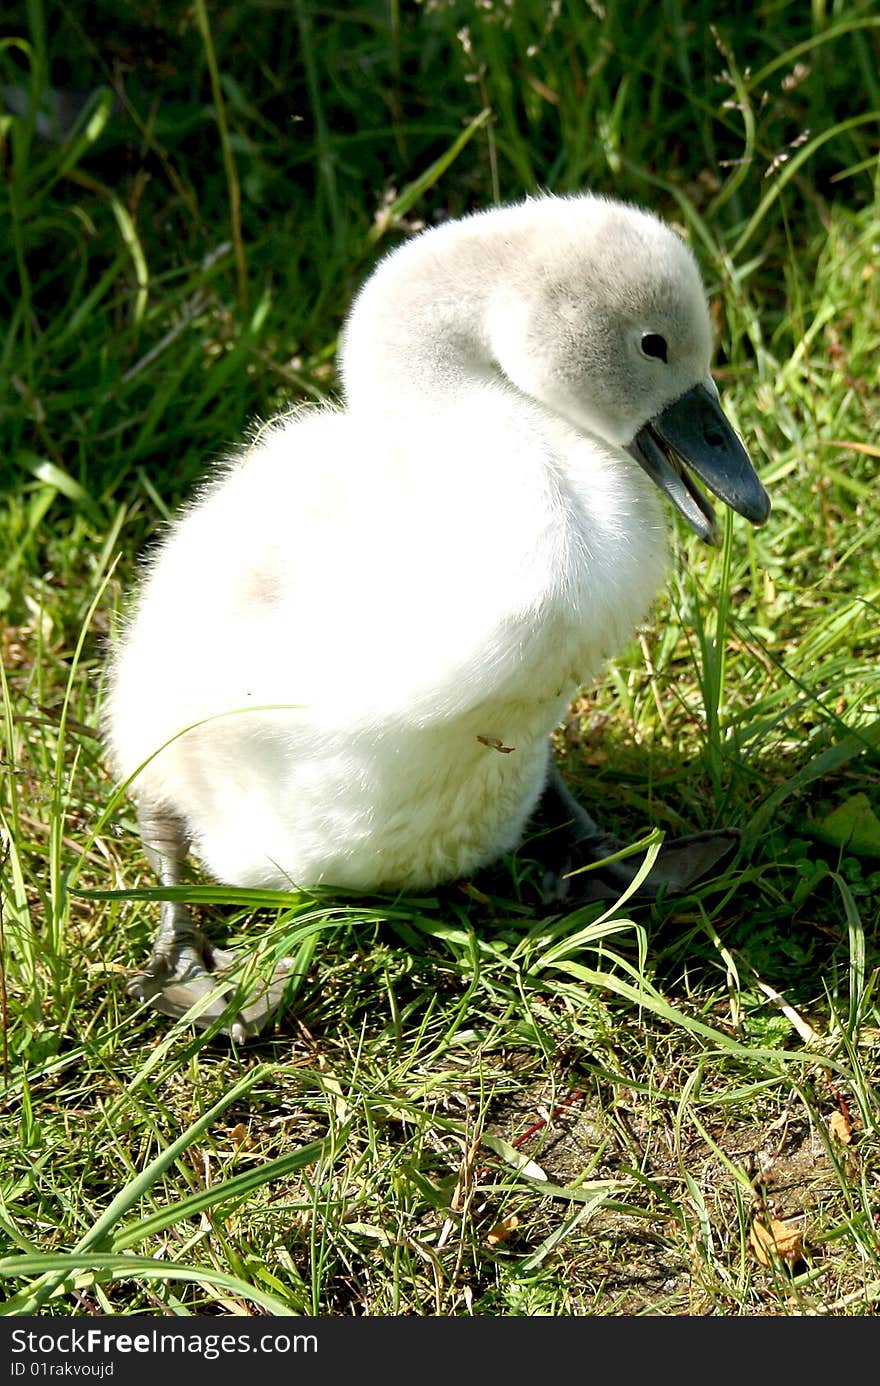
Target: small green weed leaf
853	825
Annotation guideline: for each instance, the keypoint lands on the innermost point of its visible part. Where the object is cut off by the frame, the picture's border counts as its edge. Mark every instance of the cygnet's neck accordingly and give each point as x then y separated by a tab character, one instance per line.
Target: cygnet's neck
418	330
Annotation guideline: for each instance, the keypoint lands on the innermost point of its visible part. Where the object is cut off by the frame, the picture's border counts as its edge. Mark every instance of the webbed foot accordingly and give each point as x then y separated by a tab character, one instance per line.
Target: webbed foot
185	970
680	864
577	852
174	983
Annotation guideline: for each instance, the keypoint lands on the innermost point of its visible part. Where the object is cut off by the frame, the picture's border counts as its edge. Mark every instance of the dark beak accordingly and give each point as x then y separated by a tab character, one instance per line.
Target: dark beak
693	432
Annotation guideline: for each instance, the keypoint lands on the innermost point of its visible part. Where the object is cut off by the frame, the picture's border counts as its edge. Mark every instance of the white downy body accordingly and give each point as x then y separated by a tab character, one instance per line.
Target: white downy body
372	619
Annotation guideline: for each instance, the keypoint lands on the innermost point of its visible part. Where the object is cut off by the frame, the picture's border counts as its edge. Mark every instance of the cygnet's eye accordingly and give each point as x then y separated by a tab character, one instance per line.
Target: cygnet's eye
653	344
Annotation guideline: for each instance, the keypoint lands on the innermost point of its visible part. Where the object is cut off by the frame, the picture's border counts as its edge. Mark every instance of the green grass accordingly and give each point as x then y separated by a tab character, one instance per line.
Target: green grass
178	257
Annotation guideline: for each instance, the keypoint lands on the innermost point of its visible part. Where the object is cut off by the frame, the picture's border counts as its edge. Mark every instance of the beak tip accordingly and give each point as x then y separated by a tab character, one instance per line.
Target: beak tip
758	509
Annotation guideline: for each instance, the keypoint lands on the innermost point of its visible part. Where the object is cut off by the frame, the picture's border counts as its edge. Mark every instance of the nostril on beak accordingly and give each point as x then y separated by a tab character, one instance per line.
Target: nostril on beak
714	438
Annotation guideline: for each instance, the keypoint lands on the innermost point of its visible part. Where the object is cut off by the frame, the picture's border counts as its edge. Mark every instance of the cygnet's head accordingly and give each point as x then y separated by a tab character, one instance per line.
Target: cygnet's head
604	320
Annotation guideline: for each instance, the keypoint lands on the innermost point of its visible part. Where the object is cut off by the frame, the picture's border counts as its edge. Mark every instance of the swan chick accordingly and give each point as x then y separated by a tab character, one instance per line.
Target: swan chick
348	654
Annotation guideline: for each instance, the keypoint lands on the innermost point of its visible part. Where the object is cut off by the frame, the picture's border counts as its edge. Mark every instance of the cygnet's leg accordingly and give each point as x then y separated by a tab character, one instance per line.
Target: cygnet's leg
184	967
578	841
